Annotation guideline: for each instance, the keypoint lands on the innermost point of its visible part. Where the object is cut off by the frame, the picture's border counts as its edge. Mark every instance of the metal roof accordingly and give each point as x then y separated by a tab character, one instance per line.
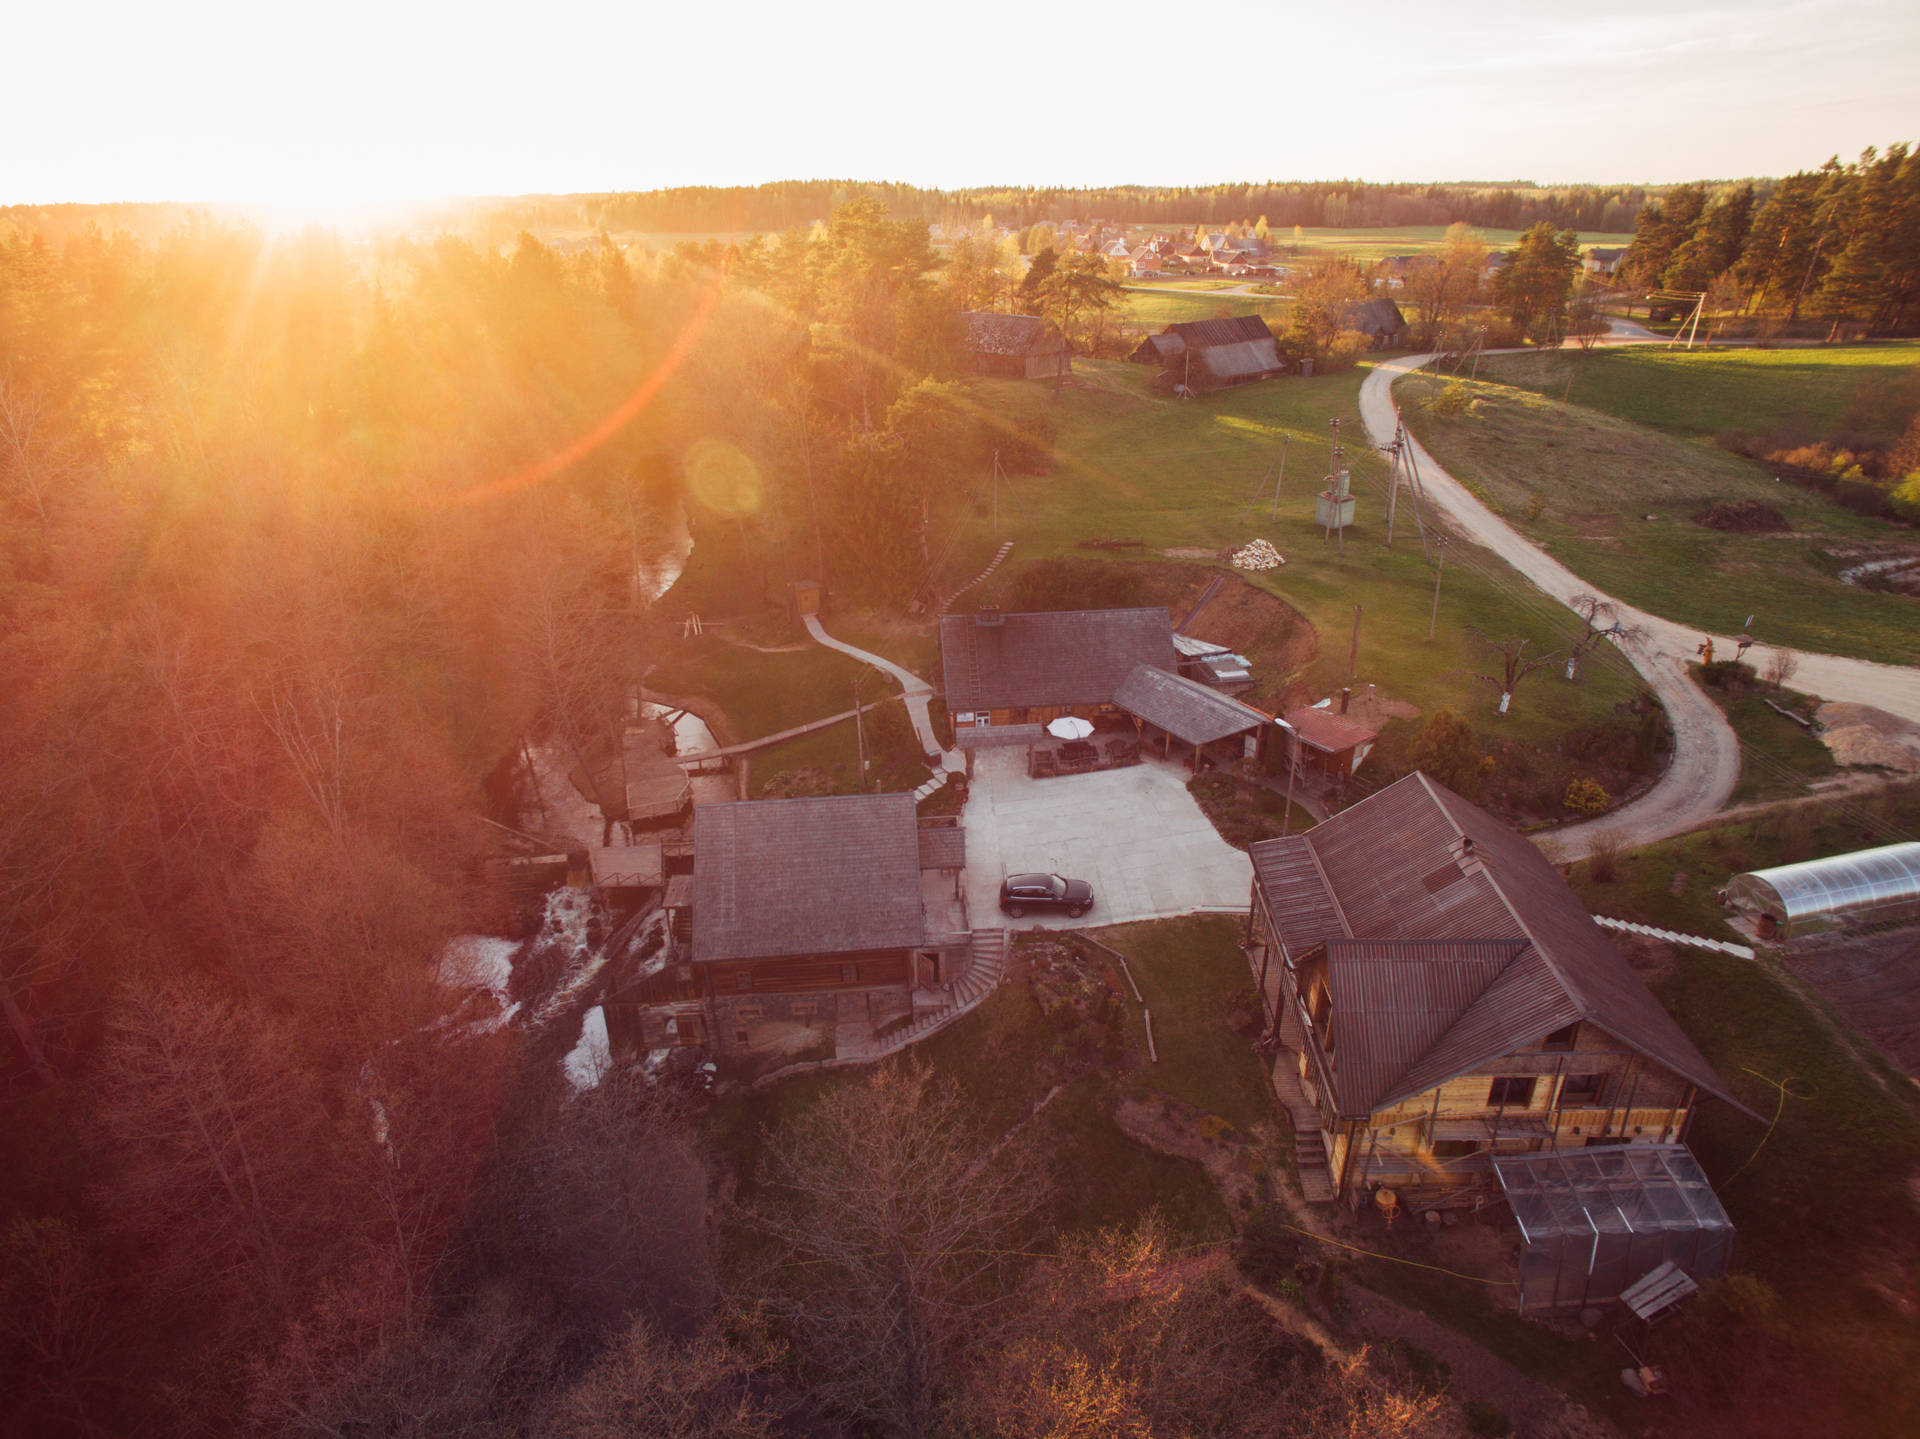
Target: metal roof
1325	730
1297	893
991	334
1049	657
1860	882
1415	863
1184	708
834	875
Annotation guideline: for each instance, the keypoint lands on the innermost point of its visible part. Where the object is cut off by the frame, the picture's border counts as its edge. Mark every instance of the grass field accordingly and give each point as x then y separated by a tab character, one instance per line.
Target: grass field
1613	499
1782	759
1151	308
1409	240
1700	393
1178	475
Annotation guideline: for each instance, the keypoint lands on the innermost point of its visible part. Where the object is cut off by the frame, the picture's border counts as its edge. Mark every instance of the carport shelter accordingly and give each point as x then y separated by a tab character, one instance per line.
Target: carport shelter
1172	707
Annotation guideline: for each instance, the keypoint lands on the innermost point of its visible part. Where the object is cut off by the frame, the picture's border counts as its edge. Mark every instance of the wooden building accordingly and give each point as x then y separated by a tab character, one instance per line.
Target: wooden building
1380	321
1171	708
1019	346
1328	746
1028	668
1438	997
1200	356
807	921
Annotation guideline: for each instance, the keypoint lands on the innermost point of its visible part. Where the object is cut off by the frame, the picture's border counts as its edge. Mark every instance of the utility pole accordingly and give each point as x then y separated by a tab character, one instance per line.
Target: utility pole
1440	568
1279	475
1293	766
1353	655
860	733
996	494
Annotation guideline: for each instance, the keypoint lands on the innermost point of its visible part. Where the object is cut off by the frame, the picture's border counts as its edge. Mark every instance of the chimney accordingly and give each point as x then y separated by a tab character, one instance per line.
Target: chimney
989	617
1346	696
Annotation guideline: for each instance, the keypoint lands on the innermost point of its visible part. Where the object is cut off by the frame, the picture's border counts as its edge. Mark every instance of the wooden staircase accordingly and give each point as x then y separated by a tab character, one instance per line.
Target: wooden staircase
993	564
987	962
1309	1142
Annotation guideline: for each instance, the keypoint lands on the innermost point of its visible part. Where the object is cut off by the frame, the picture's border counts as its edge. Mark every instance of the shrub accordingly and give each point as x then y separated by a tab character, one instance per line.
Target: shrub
1585	796
1487	1419
1603	857
1268	1251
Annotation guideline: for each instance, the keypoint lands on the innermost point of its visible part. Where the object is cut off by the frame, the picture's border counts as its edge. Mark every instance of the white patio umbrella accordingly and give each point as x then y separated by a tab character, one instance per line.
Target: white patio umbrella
1069	727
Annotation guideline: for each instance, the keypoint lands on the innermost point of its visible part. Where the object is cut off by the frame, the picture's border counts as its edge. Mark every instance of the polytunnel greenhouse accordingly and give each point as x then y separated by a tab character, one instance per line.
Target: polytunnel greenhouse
1594	1221
1867	887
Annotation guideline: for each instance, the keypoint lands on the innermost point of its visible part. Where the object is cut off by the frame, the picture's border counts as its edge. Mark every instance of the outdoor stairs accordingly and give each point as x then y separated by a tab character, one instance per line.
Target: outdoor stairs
1309	1144
987	962
993	564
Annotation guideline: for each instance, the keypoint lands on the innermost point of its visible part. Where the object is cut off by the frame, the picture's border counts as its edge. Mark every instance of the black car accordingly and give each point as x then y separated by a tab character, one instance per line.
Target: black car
1022	892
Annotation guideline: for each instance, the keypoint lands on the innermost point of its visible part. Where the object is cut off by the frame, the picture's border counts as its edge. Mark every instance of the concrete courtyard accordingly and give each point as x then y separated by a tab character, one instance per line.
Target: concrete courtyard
1134	834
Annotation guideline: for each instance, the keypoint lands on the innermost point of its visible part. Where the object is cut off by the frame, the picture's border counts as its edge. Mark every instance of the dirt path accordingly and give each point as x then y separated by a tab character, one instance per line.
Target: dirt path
1706	761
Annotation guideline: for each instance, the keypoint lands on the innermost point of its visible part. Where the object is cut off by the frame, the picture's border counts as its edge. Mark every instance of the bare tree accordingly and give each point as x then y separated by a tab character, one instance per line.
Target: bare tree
1782	665
645	1385
891	1233
1515	665
1601	622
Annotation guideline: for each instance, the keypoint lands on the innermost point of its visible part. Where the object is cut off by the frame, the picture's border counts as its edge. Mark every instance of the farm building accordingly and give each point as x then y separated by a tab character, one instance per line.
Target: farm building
1440	1000
809	927
1866	887
1380	321
1603	261
1022	346
1212	664
1026	669
1328	746
1205	355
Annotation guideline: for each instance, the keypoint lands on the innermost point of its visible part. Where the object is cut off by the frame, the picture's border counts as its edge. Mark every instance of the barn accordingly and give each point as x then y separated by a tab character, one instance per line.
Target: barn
1205	355
1018	346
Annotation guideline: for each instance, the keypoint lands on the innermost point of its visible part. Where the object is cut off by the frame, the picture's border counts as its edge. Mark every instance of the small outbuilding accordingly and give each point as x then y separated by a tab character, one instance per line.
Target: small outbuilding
1866	887
1329	746
1206	355
1595	1222
1018	346
1380	321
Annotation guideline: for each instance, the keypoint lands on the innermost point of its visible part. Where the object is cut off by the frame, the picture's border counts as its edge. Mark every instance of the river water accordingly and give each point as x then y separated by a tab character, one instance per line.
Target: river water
657	567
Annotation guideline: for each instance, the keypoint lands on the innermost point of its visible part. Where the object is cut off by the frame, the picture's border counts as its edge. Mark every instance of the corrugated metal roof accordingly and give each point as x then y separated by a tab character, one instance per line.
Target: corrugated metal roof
1227	330
1049	657
1325	730
1247	359
1415	863
1296	892
1184	708
834	875
1864	880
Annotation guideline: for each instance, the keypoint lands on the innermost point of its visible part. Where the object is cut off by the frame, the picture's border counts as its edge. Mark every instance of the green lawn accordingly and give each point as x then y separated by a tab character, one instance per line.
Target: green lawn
1614	499
1699	393
1188	970
1411	240
1136	465
762	692
1780	759
1152	309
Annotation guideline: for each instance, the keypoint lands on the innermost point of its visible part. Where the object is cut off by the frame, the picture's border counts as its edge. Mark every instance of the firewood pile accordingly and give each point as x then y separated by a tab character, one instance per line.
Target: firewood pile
1257	556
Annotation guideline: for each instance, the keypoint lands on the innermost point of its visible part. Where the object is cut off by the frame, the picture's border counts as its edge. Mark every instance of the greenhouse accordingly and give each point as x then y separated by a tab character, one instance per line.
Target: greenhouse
1594	1221
1867	887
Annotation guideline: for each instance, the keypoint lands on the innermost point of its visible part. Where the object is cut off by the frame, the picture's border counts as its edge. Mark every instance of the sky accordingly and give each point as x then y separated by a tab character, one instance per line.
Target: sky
325	111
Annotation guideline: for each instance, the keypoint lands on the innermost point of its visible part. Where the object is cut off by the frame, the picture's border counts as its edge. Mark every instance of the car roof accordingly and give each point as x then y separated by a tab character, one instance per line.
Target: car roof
1035	878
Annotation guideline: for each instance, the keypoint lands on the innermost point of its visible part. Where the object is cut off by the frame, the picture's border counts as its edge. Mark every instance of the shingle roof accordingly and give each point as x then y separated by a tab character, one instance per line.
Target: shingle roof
990	334
1186	709
1049	657
1231	330
943	846
806	876
1376	317
1414	864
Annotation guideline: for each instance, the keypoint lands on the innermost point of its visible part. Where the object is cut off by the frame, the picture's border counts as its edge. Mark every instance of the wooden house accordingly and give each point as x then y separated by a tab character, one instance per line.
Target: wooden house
1328	746
808	922
1438	997
1380	321
1028	668
1200	356
1020	346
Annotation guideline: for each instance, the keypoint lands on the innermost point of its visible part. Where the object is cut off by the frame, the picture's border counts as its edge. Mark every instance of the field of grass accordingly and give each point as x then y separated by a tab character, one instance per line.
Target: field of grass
1702	392
1136	465
1409	240
1151	309
1613	500
1780	758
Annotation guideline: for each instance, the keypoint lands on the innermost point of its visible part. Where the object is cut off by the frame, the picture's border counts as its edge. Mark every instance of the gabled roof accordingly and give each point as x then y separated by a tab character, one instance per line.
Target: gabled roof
1049	657
991	334
1186	709
1375	317
1325	730
1414	865
1232	330
806	876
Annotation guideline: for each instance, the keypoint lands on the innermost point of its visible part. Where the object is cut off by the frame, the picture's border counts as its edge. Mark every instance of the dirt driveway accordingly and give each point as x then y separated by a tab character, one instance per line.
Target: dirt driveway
1134	834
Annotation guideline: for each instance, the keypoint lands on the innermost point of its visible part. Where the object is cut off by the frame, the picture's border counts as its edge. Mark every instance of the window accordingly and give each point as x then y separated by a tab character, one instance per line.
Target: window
739	1036
803	1009
745	1013
743	980
1561	1040
1582	1088
1513	1093
849	975
1456	1148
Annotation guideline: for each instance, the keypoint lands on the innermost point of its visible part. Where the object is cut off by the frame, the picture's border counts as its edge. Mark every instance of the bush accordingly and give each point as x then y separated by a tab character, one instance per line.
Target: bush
1585	796
1268	1252
1487	1419
1603	857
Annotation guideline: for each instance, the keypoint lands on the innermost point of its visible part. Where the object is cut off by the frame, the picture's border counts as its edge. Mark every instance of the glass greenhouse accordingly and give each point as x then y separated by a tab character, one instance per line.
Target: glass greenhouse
1869	886
1594	1221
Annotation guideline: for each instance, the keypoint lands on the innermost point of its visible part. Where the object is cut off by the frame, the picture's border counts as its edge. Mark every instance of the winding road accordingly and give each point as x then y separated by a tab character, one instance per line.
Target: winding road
1706	759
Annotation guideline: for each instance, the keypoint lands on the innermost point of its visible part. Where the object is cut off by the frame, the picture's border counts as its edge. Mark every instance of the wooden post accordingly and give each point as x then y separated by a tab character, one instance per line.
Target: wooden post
1353	655
1280	475
1440	568
1152	1055
860	735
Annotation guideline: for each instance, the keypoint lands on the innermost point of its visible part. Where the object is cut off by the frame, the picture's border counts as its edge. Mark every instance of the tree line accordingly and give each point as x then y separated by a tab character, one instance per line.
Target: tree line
1841	242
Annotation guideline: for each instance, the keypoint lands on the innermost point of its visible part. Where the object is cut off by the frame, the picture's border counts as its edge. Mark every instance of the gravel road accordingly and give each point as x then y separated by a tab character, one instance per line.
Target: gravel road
1706	761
